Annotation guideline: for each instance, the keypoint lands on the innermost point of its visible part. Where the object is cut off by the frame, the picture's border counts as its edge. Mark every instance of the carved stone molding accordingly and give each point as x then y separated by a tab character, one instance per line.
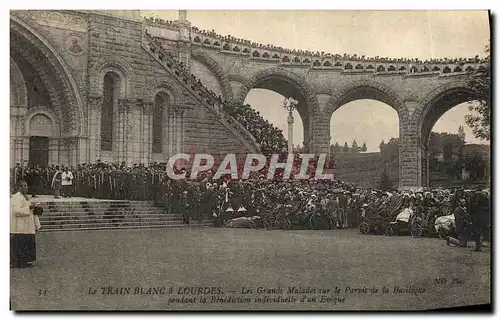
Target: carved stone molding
204	58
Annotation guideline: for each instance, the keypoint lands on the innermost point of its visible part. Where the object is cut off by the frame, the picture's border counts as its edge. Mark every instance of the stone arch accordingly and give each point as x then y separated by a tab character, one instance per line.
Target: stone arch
68	88
227	93
281	74
41	111
367	89
428	112
110	64
308	106
430	108
18	92
154	87
241	79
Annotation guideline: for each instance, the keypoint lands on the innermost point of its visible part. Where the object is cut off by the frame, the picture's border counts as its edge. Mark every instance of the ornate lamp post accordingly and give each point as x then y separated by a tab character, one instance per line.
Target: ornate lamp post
290	104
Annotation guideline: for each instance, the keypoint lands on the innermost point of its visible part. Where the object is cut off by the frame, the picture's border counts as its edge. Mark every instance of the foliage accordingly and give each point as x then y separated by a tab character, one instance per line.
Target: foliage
479	81
346	148
475	165
364	148
354	147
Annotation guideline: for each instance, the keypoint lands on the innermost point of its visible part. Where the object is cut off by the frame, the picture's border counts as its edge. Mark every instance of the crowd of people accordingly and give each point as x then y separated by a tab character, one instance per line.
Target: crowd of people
221	40
206	197
345	56
269	138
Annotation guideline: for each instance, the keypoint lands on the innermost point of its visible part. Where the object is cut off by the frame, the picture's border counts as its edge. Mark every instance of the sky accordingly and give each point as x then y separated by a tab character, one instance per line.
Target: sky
412	34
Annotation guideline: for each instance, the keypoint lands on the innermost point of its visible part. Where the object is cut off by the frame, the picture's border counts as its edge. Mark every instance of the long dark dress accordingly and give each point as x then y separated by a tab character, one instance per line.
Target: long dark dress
22	249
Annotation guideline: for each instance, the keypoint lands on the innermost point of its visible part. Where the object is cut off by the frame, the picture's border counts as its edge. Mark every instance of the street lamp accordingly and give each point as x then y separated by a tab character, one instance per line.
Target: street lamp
290	104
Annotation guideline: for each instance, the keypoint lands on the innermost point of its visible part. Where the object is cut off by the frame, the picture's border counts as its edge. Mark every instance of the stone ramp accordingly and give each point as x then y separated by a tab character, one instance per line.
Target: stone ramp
71	214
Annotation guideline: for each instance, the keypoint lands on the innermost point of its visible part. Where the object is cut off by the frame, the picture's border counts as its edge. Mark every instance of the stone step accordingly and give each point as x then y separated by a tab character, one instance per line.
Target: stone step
103	211
111	223
130	227
98	216
102	219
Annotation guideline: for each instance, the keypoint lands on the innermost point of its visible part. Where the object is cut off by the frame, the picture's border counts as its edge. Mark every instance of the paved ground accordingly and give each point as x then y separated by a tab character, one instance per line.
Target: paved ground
74	266
49	198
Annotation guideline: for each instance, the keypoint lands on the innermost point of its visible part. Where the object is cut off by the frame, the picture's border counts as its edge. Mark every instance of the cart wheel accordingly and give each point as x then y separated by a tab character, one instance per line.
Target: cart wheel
443	234
287	224
389	231
268	225
364	228
416	229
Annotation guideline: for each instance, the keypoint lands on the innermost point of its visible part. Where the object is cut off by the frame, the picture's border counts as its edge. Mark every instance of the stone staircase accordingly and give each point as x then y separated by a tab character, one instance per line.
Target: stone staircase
168	61
108	215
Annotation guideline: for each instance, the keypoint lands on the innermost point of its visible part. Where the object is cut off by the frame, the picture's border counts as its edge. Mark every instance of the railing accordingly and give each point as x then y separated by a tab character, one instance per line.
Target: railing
216	105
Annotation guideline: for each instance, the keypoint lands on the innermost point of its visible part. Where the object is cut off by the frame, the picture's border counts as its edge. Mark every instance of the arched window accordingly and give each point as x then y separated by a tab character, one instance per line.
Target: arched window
457	69
369	67
447	70
338	64
226	46
158	112
256	54
436	68
348	66
327	64
402	68
197	39
380	68
285	59
306	60
391	68
316	63
108	106
275	56
236	49
359	67
424	69
296	59
206	41
265	55
469	69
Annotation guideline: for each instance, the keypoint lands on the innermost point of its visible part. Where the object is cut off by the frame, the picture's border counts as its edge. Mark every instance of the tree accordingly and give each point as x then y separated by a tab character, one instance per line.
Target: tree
475	165
461	134
346	148
354	148
363	148
385	183
381	146
336	147
479	81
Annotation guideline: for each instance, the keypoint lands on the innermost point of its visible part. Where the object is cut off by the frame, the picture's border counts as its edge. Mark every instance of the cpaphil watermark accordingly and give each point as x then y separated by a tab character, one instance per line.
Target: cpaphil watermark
295	166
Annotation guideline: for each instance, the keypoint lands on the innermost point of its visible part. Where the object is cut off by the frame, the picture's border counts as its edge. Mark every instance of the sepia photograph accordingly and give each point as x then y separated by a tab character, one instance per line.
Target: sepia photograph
259	160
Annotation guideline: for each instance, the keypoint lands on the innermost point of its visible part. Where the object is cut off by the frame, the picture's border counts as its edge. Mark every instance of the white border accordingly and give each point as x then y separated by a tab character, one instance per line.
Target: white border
189	5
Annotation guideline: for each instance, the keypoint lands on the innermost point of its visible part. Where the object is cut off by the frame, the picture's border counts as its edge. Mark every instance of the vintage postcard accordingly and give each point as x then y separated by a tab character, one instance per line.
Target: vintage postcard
250	160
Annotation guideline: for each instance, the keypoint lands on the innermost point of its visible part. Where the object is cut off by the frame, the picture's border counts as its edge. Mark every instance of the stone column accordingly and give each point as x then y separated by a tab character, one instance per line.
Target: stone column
170	131
123	130
320	139
94	141
290	132
179	129
147	118
410	158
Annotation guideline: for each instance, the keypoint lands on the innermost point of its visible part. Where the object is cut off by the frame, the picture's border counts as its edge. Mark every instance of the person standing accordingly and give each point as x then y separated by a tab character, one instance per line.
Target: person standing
67	183
23	226
480	212
57	183
460	213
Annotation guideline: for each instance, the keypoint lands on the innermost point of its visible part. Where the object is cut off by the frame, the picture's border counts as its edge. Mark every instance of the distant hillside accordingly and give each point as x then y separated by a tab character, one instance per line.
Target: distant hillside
365	169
